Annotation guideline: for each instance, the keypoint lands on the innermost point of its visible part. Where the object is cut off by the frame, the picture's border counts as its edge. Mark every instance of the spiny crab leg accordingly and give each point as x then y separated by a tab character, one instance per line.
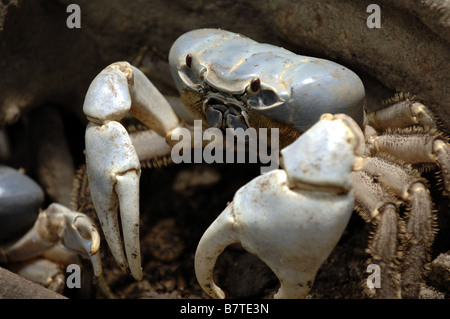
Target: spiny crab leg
112	163
291	218
58	225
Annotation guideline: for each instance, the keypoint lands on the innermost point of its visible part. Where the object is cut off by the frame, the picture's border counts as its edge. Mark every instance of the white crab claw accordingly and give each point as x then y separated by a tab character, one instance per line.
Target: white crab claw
59	225
290	218
112	162
80	235
113	169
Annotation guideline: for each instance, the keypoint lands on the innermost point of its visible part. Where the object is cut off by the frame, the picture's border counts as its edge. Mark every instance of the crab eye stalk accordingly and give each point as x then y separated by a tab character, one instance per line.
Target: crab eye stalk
254	87
189	60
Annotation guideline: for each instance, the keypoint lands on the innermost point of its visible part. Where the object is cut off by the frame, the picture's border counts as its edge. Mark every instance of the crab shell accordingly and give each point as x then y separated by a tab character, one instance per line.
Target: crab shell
295	89
20	200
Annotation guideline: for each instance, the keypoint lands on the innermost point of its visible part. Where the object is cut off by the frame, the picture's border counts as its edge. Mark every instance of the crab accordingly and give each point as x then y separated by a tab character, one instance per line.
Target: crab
54	236
229	81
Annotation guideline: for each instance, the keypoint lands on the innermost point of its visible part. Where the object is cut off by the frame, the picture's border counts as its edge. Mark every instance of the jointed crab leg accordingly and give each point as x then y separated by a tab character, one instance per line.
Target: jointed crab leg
402	111
417	235
410	147
112	163
410	135
375	204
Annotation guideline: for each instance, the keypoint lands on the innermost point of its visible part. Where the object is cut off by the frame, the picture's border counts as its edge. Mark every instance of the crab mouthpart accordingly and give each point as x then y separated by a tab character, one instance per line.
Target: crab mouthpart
225	114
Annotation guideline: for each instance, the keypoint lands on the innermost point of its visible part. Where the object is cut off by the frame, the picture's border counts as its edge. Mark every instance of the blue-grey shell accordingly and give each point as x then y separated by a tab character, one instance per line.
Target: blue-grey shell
306	87
20	200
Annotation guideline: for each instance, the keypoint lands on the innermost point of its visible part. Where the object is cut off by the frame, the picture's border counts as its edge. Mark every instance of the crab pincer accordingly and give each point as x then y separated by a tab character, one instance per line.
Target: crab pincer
291	218
113	165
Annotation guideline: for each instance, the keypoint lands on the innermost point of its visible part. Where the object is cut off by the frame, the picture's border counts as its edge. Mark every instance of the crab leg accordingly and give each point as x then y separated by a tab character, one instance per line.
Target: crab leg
416	148
375	204
402	111
112	163
412	135
407	184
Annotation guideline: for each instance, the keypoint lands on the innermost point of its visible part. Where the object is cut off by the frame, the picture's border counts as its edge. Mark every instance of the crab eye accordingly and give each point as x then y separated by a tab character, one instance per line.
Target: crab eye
189	60
254	87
